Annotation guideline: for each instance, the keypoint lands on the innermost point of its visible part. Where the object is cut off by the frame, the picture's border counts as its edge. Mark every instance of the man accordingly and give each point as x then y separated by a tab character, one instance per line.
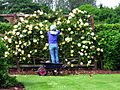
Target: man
53	43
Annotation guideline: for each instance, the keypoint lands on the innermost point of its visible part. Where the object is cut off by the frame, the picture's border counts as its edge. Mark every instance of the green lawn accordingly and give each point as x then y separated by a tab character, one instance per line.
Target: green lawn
72	82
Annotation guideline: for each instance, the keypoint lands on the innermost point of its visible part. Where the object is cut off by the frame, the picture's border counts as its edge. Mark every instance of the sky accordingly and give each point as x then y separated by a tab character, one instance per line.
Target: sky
108	3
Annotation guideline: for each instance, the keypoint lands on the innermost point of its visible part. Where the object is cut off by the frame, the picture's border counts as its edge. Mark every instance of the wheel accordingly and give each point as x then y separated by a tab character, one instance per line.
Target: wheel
42	71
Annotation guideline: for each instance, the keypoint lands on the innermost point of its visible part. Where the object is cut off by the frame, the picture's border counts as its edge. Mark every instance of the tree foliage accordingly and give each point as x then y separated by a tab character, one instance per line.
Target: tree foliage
20	6
103	14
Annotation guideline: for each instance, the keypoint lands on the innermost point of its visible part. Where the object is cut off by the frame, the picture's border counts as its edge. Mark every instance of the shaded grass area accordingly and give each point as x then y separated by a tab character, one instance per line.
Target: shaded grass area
72	82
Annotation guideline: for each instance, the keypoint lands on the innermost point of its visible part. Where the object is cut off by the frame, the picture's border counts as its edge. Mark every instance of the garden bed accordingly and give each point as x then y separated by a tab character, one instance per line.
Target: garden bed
66	72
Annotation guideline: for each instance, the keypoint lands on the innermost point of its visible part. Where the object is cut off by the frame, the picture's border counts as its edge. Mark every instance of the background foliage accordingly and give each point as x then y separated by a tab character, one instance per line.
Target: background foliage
109	39
102	14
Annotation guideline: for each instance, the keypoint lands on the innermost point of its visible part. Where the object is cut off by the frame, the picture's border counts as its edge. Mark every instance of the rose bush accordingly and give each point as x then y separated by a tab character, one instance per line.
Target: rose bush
77	39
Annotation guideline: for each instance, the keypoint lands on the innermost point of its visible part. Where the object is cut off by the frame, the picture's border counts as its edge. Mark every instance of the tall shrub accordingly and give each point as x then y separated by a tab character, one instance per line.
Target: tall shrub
109	36
29	37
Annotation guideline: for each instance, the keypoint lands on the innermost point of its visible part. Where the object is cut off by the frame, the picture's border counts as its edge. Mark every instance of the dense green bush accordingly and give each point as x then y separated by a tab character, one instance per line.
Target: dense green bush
109	39
5	79
107	27
5	27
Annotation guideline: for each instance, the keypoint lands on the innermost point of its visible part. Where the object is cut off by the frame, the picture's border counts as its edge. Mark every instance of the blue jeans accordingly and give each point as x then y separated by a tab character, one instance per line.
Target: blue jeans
54	53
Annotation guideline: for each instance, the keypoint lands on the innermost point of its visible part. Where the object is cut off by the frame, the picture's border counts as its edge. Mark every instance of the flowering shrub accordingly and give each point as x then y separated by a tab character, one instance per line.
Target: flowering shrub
29	37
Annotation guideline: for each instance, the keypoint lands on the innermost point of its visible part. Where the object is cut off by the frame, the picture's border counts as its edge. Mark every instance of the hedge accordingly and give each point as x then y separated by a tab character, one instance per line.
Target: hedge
109	40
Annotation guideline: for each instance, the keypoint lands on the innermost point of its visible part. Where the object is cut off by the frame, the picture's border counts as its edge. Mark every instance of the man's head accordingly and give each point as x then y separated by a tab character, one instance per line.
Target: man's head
53	28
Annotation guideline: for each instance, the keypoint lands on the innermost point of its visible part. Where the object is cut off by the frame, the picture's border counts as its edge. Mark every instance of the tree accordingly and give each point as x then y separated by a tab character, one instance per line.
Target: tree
20	6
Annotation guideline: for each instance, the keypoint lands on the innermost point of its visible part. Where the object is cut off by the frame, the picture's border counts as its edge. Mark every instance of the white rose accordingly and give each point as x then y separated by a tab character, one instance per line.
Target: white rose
69	17
72	14
79	44
10	40
81	63
17	33
21	35
30	51
34	15
6	52
71	54
15	26
84	42
24	31
5	38
34	40
88	16
89	61
41	32
45	48
81	54
71	32
63	42
36	27
68	39
72	51
16	42
82	37
25	44
29	32
21	19
26	21
74	11
16	53
20	42
42	36
86	24
83	46
101	50
41	12
29	43
19	50
24	58
40	24
66	60
94	38
69	29
85	54
22	51
68	21
86	47
30	27
98	49
92	34
28	55
13	32
68	63
58	22
36	50
88	56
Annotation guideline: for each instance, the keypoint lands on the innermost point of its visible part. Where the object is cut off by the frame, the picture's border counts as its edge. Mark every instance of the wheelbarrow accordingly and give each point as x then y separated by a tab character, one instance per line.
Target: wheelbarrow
45	67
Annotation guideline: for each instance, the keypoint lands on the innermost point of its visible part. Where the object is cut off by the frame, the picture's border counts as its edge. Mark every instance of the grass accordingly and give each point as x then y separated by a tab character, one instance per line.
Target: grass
72	82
